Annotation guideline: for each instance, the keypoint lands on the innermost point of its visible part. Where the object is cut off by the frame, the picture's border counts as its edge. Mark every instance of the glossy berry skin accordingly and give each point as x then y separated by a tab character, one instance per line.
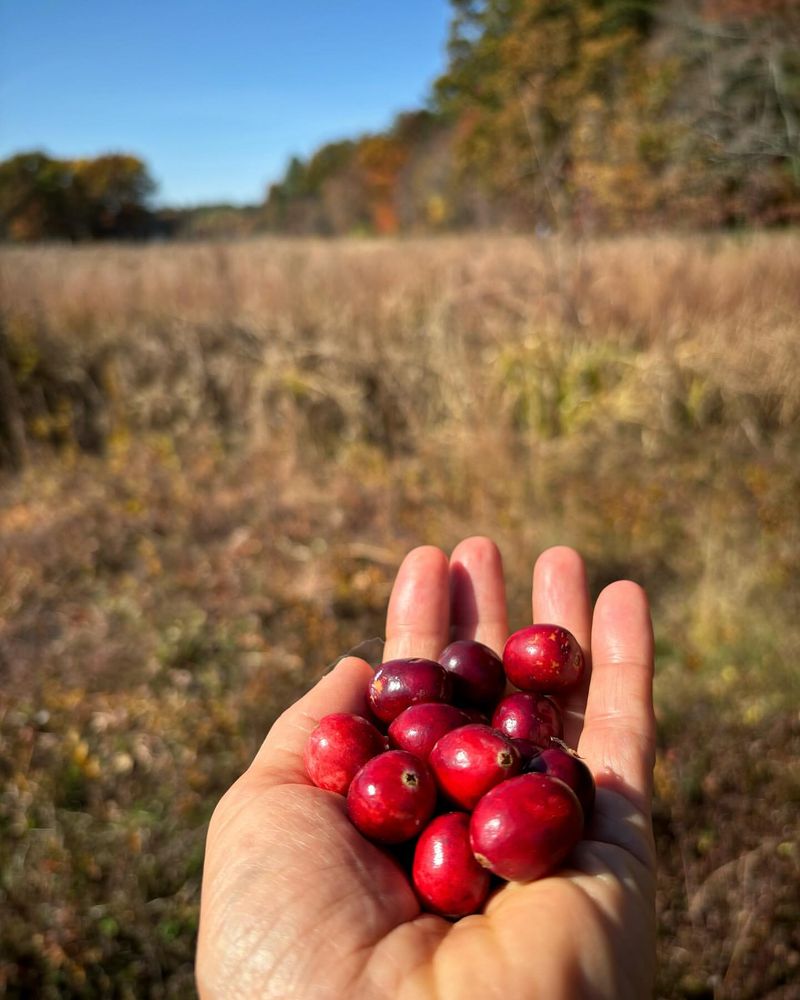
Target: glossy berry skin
340	746
525	827
392	797
467	762
447	878
543	658
401	683
477	673
418	728
559	761
525	716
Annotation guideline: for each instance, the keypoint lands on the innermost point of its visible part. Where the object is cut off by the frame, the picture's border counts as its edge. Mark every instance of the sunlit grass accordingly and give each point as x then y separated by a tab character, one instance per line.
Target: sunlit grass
232	446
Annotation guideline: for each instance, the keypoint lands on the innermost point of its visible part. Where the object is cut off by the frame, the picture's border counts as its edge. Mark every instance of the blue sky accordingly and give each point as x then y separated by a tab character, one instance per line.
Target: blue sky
214	95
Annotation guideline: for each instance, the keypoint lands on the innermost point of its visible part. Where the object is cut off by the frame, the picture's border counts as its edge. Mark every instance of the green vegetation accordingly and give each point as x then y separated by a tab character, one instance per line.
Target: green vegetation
223	453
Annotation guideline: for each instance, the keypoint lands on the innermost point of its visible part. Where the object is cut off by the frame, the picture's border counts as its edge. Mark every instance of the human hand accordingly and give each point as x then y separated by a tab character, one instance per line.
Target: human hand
297	904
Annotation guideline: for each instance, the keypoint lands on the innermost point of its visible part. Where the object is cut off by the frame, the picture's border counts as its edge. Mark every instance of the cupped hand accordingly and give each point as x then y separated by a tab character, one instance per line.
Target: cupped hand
296	904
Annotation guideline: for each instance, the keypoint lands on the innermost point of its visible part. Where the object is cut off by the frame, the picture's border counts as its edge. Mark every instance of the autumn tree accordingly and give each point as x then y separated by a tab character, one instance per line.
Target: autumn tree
114	191
38	199
524	77
583	115
45	198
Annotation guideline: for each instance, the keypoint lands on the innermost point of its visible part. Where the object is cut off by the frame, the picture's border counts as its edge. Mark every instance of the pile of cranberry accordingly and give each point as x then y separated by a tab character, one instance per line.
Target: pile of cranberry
481	778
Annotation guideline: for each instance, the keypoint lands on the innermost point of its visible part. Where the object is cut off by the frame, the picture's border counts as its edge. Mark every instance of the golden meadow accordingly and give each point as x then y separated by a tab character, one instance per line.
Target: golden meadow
226	449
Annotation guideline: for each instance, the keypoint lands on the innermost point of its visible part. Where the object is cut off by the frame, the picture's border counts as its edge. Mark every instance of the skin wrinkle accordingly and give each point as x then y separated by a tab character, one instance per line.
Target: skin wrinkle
315	927
616	822
609	861
610	759
590	972
586	886
547	912
428	932
352	864
438	972
298	959
616	687
239	943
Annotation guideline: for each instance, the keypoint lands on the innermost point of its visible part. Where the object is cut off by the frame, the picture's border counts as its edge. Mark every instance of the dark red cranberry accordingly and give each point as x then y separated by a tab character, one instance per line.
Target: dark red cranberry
475	715
400	683
543	658
448	879
524	716
559	761
527	751
467	762
525	827
477	673
339	746
419	727
392	797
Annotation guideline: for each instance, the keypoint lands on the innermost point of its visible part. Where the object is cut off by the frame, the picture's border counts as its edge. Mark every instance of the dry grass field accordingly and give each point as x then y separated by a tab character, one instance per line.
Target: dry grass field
228	450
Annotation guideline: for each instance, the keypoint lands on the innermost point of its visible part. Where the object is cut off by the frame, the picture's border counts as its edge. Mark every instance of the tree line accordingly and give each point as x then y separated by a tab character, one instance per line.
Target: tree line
585	115
592	115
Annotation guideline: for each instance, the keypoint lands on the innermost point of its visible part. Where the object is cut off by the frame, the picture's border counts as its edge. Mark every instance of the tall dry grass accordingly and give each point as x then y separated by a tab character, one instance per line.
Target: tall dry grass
644	386
230	446
234	324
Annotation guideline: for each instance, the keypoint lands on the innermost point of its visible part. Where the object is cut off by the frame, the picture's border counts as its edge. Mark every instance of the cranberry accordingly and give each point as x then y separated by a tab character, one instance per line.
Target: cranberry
338	747
418	727
543	658
559	761
448	879
527	751
392	797
525	827
523	716
467	762
400	683
475	715
477	673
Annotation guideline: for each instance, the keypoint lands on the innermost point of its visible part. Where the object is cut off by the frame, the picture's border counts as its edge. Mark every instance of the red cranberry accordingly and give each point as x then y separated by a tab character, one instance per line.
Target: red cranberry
400	683
477	673
467	762
523	716
448	879
419	727
392	797
525	827
338	747
543	658
559	761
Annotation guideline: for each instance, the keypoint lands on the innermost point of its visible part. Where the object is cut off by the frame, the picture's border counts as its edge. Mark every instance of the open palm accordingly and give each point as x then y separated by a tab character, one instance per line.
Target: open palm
297	904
